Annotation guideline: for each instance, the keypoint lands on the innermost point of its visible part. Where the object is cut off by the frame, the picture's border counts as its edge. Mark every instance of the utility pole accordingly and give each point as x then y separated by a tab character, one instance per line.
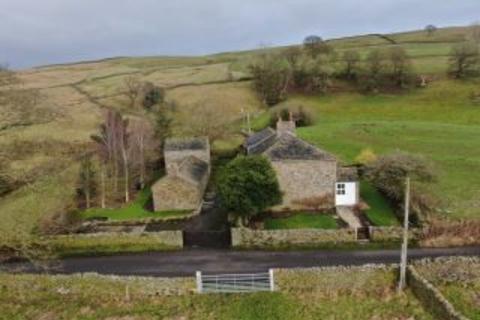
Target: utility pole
403	262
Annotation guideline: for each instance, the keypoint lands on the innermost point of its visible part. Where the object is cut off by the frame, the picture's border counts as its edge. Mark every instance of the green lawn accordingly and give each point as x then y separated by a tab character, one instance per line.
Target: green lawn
380	212
302	221
134	210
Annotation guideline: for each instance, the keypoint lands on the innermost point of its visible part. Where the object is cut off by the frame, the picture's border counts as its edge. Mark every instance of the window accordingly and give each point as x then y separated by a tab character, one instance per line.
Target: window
341	189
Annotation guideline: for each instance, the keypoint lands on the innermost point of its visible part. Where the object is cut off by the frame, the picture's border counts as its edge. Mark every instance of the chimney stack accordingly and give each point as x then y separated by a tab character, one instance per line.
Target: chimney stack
286	126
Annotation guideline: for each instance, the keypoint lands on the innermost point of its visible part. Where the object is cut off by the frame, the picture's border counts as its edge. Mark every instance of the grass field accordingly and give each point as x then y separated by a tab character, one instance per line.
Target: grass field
380	212
301	221
458	280
344	295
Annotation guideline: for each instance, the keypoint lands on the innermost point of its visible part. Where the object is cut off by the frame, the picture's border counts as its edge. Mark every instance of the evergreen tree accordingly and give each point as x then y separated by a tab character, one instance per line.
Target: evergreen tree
87	184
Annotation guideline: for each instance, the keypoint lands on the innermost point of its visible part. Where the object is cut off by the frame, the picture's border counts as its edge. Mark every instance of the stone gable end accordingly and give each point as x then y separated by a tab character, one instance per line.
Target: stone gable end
303	179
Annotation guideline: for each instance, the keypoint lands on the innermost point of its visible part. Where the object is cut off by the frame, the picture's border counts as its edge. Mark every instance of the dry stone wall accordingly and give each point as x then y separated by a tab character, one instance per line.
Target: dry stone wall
385	234
248	238
431	297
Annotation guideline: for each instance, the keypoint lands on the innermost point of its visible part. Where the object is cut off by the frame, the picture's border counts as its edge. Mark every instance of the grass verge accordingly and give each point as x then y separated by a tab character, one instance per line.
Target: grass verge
380	212
107	245
134	210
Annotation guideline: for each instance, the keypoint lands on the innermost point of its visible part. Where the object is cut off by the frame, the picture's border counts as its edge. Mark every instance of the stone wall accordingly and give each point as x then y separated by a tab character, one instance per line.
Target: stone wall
381	234
305	179
248	238
431	297
172	239
149	286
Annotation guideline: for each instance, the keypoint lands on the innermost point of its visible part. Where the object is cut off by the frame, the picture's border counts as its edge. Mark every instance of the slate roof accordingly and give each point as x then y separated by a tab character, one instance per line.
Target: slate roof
179	144
260	136
289	147
260	141
193	169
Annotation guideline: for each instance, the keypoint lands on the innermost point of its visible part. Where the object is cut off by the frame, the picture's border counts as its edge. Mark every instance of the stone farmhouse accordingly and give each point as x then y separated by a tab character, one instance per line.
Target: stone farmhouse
187	163
308	176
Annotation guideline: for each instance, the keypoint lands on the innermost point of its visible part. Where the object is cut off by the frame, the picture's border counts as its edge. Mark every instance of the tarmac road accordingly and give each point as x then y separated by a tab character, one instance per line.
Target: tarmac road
187	262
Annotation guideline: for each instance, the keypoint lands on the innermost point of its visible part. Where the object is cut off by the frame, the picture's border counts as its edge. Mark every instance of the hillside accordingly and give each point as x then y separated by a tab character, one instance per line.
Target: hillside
441	122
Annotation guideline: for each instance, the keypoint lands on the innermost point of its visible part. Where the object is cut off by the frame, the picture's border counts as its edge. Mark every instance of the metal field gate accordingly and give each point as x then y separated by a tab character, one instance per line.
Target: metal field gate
235	283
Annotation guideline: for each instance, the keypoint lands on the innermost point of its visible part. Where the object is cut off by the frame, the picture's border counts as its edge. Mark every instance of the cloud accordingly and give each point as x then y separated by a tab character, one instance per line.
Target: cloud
36	32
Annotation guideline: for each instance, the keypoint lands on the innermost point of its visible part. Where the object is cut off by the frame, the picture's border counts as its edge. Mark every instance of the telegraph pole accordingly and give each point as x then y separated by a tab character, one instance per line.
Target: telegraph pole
403	262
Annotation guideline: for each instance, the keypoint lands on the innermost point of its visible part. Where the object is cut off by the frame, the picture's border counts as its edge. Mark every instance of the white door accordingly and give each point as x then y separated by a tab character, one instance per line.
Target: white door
346	193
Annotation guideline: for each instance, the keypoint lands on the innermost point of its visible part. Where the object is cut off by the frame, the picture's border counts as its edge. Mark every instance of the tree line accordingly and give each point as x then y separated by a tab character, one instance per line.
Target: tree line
312	67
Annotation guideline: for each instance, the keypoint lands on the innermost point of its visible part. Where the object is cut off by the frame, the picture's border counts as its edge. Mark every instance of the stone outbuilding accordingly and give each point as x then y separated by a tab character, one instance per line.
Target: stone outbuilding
308	176
187	163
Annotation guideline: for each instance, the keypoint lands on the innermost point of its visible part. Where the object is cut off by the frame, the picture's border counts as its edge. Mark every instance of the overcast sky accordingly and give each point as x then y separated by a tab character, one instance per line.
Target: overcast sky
38	32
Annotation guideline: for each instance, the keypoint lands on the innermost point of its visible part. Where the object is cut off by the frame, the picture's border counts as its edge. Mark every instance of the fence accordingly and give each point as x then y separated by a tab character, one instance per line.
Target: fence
235	283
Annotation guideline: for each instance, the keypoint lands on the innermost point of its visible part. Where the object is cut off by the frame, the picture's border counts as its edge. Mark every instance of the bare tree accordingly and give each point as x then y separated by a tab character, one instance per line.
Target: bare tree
475	32
87	184
103	152
401	66
315	45
112	120
430	30
272	77
375	69
208	122
464	60
110	146
133	89
141	140
351	59
293	55
123	142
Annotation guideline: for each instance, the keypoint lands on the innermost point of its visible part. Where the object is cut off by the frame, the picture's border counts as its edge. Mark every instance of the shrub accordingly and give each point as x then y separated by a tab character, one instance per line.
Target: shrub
389	172
6	184
464	60
303	117
271	77
445	233
248	186
61	222
313	75
152	95
366	156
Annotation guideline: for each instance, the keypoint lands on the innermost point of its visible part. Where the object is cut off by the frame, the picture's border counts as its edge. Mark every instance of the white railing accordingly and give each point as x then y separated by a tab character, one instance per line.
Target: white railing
235	283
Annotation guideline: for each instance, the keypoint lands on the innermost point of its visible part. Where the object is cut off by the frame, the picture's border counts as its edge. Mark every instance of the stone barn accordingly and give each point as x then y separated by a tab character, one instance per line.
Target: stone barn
187	163
307	175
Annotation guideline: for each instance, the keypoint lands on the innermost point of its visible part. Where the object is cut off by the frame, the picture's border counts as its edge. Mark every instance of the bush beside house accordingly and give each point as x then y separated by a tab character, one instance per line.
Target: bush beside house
247	186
